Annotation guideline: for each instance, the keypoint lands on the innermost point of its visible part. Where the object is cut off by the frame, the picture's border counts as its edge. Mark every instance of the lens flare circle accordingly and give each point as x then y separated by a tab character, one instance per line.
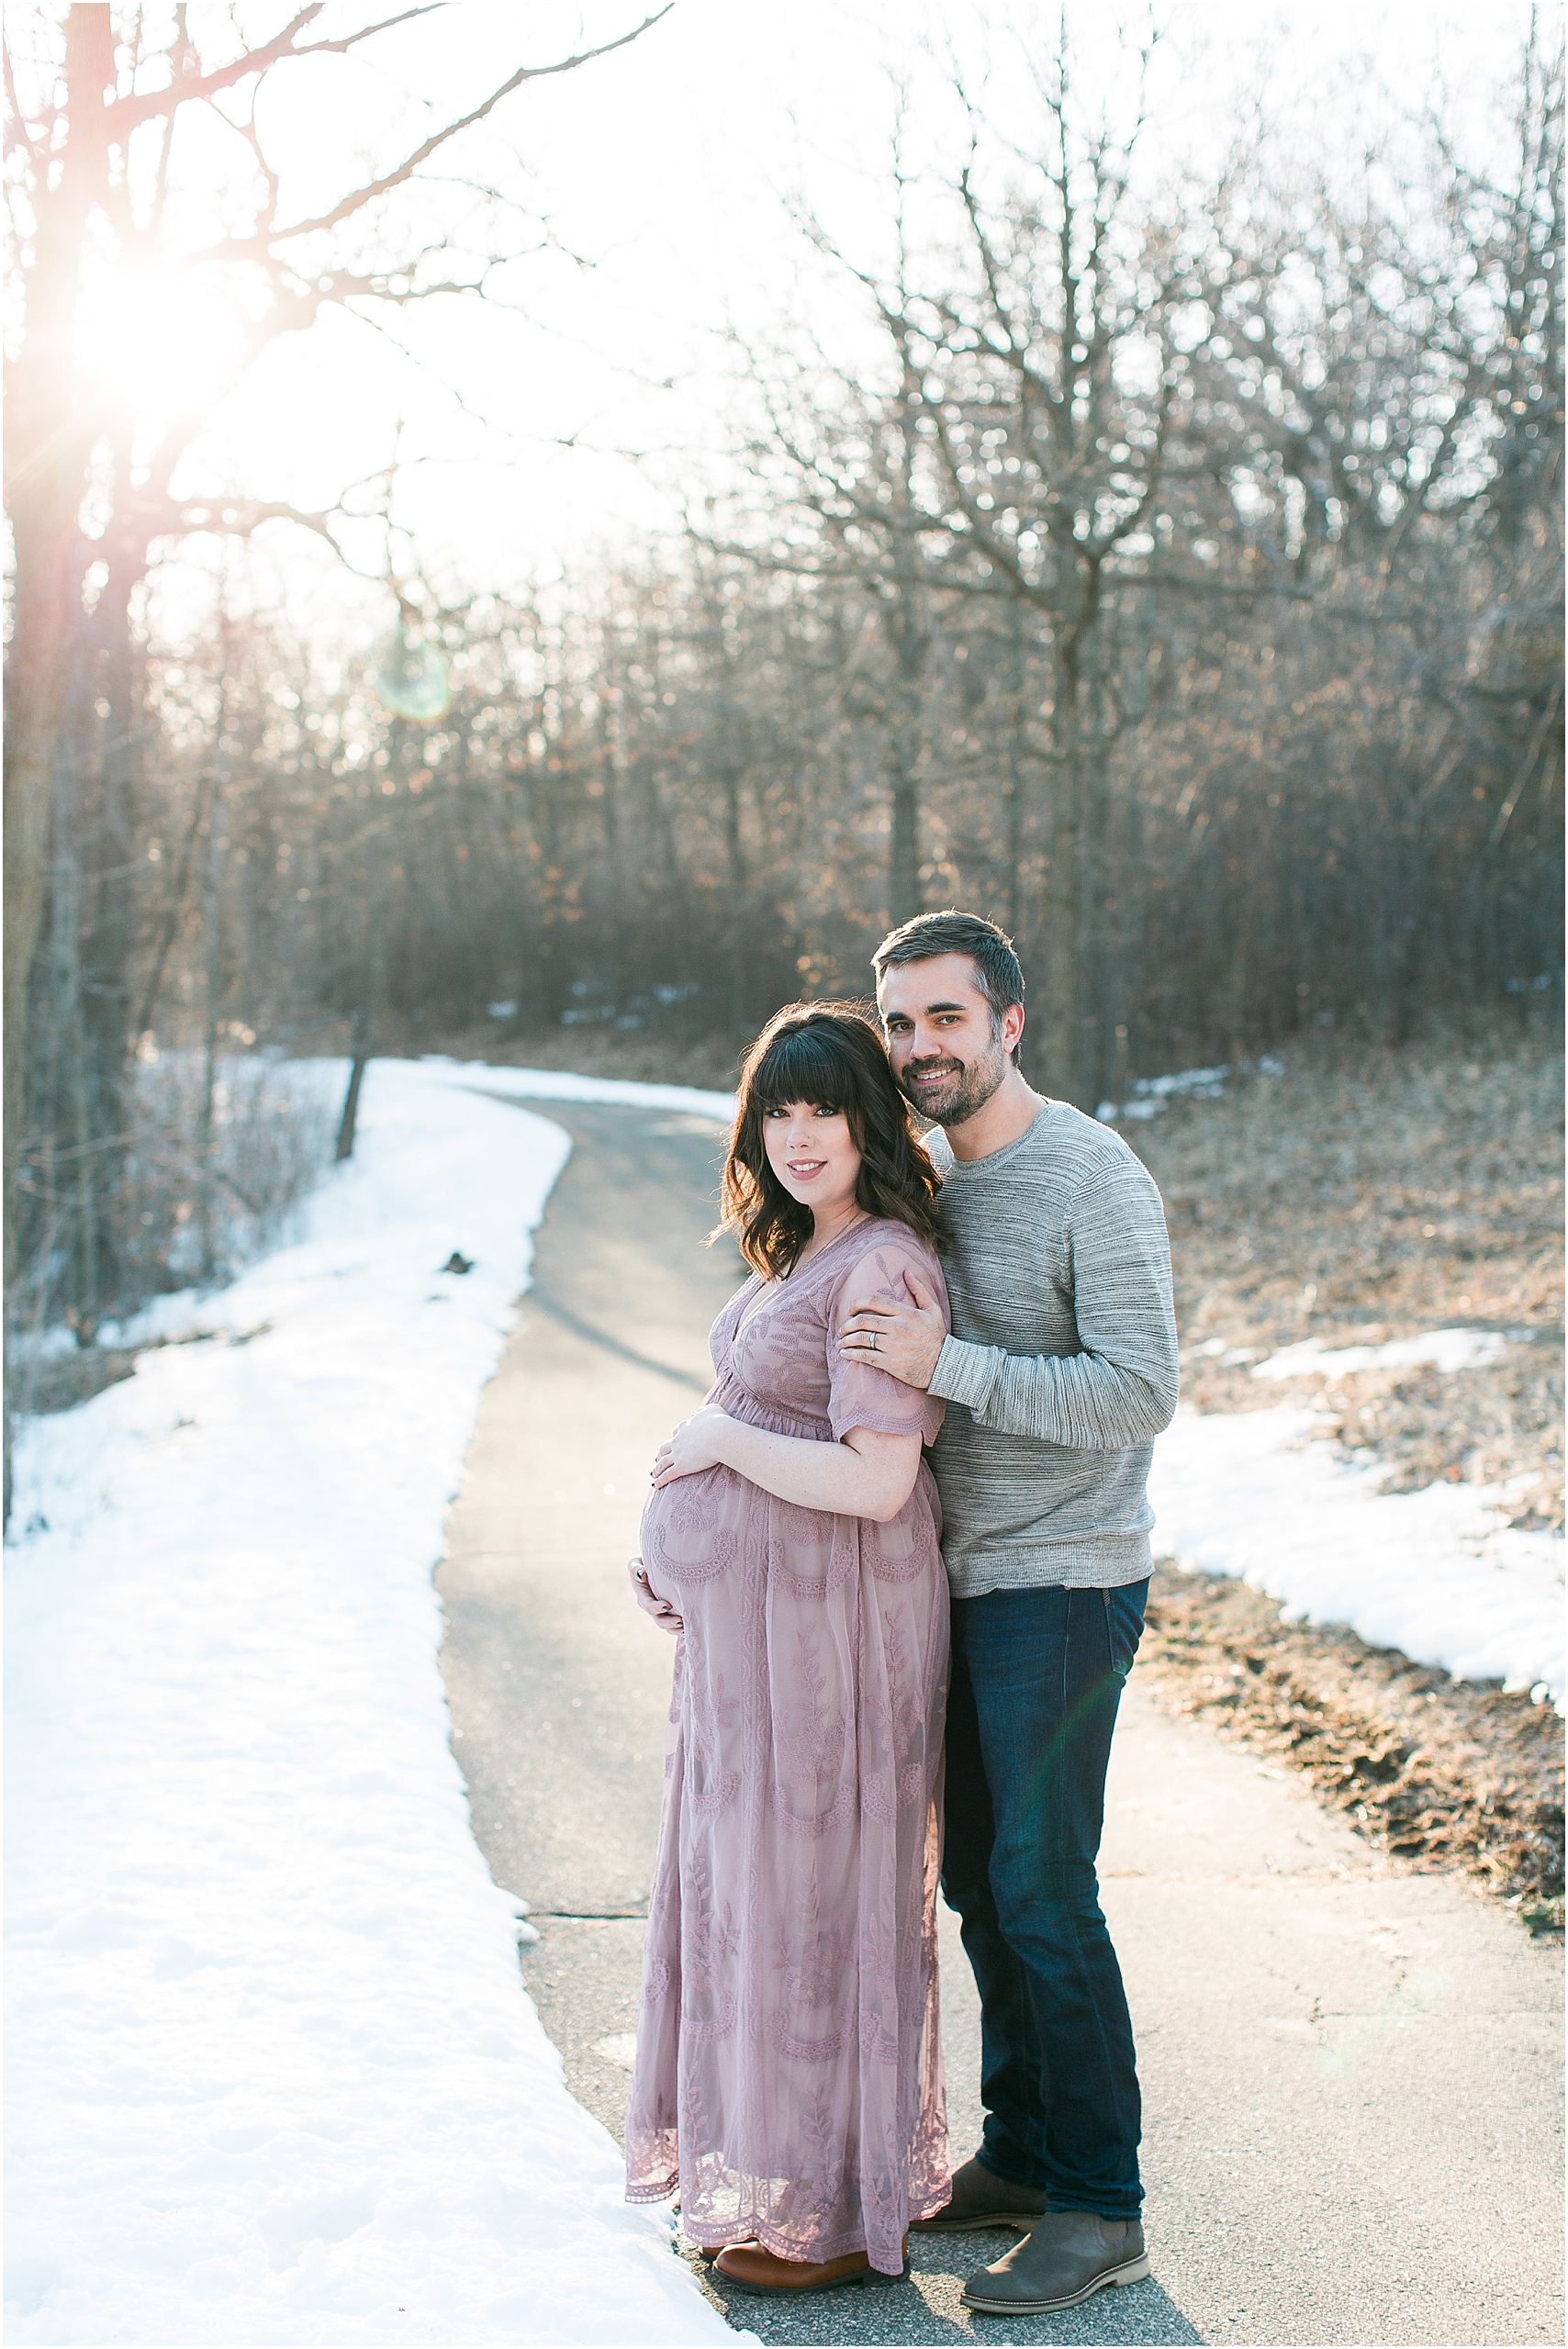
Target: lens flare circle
412	677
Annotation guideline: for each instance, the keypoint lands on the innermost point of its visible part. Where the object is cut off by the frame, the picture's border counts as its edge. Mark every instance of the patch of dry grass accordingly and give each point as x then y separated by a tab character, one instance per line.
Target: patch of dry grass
1370	1194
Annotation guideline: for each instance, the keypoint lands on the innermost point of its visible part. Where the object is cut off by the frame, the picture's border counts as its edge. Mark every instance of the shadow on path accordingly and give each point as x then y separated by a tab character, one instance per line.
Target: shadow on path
580	1328
925	2308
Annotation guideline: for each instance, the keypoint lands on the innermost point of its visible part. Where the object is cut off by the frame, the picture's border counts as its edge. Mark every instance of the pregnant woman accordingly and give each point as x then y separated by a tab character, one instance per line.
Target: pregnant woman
789	2070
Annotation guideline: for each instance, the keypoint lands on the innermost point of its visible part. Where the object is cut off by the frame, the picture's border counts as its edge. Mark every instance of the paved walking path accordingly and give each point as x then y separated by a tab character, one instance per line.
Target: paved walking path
1351	2078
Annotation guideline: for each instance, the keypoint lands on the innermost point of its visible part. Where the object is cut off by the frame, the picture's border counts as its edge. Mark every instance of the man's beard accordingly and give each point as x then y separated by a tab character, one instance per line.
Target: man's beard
969	1087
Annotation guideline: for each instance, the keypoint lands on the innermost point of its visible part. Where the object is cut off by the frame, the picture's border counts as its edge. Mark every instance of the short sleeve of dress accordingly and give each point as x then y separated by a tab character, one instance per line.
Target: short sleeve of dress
859	1395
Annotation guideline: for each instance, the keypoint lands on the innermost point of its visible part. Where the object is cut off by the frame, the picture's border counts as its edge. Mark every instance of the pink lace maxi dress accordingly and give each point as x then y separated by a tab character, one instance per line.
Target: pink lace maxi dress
789	2072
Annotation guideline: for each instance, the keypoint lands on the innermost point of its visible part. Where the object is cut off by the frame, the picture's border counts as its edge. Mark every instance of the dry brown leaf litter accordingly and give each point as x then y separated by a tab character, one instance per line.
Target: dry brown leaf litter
1439	1773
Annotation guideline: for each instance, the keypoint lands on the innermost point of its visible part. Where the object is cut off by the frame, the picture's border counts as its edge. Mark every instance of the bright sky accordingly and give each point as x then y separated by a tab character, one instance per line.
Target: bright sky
670	167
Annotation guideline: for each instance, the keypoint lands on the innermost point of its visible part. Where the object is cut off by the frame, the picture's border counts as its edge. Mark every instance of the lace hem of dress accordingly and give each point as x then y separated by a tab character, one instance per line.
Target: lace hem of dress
787	2245
748	2219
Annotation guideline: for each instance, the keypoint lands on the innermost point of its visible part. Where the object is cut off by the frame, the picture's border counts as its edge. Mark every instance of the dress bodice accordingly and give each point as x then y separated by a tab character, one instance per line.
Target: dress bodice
775	1346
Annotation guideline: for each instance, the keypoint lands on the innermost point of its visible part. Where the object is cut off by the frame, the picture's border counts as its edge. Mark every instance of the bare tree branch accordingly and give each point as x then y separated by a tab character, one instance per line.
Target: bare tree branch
248	247
124	113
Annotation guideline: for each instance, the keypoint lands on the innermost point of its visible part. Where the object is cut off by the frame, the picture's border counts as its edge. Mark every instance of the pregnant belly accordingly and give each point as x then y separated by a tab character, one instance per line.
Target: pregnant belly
692	1529
695	1529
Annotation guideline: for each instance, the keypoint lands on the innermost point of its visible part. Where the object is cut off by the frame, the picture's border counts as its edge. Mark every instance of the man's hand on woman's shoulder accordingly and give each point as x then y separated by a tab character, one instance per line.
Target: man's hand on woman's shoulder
902	1339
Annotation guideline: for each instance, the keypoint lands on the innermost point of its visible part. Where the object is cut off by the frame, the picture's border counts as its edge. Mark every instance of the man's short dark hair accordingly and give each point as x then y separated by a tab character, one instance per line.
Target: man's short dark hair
951	933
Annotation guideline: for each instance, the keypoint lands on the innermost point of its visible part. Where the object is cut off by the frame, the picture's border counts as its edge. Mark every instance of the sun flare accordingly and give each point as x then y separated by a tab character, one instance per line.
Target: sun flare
155	339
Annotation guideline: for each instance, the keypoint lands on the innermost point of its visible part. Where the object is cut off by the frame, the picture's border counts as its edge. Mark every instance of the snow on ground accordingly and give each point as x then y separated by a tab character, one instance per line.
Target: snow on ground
1444	1349
1151	1094
1437	1573
274	2076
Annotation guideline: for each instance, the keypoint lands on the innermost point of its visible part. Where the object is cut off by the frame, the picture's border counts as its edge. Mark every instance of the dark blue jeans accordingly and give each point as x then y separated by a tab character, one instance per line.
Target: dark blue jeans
1037	1676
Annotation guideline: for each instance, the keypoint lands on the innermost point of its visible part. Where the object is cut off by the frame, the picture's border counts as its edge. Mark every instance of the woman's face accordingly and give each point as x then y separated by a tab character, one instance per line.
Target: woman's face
812	1153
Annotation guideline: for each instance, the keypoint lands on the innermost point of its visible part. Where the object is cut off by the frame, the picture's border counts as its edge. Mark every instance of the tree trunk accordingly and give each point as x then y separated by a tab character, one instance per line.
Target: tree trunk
212	966
904	858
739	927
63	1077
1016	809
1057	1026
373	974
912	641
1091	1069
49	444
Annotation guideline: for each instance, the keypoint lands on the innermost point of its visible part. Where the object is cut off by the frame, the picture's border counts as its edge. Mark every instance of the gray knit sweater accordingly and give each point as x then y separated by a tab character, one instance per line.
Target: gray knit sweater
1062	1361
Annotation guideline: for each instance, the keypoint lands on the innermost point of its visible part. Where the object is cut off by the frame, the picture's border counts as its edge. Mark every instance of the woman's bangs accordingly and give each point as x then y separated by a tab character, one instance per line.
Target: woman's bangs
805	1067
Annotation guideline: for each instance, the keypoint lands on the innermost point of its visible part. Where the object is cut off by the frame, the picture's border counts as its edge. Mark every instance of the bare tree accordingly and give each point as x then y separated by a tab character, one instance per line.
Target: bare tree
100	147
1031	432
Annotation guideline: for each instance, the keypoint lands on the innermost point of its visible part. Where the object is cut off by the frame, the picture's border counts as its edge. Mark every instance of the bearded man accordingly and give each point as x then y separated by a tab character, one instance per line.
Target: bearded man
1059	1372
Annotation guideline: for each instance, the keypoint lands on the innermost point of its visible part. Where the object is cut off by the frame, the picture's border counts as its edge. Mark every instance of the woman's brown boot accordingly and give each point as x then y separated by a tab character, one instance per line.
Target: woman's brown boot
751	2269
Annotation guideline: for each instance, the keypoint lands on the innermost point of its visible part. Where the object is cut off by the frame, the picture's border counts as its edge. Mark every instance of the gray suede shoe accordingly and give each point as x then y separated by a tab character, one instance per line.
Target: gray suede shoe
1069	2254
980	2199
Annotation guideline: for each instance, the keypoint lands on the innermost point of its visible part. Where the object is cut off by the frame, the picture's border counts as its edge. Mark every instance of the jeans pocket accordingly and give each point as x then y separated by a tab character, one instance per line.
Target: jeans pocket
1123	1624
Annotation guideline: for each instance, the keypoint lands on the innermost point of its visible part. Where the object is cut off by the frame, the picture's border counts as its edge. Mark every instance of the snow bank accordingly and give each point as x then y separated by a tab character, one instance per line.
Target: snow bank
1444	1349
1437	1573
274	2076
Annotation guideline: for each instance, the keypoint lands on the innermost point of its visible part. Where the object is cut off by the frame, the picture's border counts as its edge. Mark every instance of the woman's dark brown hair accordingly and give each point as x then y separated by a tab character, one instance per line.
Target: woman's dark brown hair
831	1055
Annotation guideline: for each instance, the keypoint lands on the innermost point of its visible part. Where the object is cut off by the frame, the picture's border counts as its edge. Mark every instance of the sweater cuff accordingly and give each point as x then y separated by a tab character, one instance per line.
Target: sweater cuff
965	1373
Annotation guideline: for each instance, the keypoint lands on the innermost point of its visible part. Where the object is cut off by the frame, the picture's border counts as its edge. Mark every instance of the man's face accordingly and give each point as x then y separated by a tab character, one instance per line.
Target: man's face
946	1052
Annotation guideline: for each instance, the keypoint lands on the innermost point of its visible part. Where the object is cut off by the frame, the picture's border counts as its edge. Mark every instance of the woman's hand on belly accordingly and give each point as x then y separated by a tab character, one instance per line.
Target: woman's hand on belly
696	1444
664	1615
